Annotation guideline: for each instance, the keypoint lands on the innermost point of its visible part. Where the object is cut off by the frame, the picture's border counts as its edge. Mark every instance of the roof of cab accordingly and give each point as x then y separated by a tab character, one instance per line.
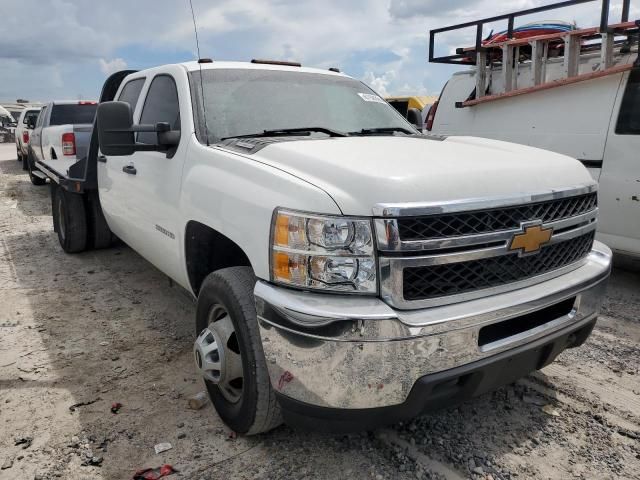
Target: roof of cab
192	66
73	102
195	66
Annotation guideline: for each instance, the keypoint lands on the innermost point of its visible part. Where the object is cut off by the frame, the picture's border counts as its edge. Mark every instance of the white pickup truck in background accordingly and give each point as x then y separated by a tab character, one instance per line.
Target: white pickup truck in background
26	122
60	137
348	270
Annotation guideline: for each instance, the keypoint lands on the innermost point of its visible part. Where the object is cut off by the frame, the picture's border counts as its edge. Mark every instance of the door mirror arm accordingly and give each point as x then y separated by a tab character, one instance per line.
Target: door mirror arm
159	127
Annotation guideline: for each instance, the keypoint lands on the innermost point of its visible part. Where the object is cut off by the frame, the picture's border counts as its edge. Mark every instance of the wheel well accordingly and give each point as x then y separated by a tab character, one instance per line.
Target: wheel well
207	250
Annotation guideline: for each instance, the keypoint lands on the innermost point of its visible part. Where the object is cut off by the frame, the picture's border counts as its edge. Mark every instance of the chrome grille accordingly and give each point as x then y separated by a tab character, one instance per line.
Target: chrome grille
494	220
436	254
420	283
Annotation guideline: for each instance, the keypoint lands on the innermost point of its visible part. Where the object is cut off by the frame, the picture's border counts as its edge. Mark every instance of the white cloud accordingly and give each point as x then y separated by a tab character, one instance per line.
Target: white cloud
112	66
380	83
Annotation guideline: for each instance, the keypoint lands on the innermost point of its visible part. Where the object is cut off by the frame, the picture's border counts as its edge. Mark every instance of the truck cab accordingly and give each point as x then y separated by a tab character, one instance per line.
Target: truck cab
348	270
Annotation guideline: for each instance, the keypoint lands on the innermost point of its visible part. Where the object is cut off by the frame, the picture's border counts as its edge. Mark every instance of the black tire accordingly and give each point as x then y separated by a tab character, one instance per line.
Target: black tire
100	235
53	191
70	221
18	154
25	162
30	165
257	410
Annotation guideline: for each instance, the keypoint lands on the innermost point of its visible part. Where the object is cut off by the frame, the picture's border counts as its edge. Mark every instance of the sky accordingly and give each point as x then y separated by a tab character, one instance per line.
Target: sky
64	49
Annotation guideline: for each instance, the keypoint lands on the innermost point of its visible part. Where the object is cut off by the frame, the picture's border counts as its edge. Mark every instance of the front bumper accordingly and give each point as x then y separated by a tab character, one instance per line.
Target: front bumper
338	352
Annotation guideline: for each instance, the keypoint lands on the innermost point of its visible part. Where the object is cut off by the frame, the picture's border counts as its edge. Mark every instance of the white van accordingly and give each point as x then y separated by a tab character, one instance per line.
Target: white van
594	117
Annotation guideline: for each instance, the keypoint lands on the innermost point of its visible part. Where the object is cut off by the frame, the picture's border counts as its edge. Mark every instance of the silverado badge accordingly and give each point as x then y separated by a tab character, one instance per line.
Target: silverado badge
531	239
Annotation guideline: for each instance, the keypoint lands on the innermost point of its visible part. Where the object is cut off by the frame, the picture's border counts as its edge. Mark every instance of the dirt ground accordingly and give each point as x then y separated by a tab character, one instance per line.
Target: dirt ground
104	327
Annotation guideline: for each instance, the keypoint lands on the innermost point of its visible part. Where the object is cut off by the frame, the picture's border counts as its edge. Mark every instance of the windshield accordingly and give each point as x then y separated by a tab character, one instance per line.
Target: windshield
244	102
15	115
73	113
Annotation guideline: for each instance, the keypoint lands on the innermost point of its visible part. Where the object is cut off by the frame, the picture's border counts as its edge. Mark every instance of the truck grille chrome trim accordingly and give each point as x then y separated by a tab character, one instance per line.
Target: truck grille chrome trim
413	209
454	266
480	221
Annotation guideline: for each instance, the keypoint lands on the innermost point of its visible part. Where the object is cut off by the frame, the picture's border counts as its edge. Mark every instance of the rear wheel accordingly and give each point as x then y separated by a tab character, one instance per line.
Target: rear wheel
70	221
18	154
228	352
25	162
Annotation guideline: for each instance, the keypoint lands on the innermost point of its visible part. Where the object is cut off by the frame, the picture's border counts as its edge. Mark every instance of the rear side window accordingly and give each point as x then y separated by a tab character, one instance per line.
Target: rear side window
73	113
629	117
161	105
131	92
30	117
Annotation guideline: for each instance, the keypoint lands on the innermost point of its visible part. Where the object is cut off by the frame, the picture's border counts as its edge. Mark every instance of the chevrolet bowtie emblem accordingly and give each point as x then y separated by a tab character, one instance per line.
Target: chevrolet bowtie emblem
531	239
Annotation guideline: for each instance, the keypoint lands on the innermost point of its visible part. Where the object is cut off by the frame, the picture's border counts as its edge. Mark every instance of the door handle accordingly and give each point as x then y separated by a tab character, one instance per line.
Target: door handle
130	169
102	159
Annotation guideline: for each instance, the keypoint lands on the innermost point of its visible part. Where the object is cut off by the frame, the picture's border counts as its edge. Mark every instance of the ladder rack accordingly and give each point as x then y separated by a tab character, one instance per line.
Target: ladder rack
511	53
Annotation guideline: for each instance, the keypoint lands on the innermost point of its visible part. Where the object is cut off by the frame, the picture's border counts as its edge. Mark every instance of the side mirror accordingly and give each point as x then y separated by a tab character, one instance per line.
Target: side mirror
414	116
115	135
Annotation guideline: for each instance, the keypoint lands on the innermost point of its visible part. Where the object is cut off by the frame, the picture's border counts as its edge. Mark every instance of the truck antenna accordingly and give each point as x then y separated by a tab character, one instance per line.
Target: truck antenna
200	62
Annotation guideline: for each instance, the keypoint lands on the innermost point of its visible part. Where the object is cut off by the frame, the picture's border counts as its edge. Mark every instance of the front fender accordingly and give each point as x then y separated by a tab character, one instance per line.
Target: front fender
236	195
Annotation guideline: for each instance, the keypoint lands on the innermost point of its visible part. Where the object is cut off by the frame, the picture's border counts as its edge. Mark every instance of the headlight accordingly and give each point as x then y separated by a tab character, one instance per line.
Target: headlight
325	253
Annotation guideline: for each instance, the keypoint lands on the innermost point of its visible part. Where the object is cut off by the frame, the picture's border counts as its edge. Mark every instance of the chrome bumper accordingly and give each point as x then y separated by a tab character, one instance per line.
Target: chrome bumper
358	352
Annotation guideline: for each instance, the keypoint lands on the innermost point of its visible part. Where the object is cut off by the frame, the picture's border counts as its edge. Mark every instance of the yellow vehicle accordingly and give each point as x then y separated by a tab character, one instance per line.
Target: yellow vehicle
405	105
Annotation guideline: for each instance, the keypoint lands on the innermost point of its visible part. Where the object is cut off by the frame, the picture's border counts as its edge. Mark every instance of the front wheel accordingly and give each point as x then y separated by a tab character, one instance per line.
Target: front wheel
228	352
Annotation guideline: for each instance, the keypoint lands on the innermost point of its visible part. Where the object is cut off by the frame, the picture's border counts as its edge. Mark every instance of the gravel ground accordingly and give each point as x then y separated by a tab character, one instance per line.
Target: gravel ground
104	327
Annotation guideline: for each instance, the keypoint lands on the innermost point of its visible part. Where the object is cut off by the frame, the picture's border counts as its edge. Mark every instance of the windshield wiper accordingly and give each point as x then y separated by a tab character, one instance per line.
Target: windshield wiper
289	131
376	131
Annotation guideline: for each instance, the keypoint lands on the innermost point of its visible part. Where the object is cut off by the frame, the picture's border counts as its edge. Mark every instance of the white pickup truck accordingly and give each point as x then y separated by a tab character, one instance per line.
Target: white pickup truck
348	270
26	122
59	137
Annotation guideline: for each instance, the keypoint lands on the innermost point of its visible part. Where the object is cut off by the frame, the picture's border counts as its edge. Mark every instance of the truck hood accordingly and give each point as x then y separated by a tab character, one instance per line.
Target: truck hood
360	172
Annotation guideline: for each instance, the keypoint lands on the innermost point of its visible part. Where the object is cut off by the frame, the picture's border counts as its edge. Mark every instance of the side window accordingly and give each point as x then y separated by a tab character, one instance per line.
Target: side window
629	117
161	105
30	117
131	92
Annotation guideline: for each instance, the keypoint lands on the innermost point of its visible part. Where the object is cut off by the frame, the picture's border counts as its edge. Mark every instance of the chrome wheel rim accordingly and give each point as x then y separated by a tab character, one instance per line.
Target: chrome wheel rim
217	354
